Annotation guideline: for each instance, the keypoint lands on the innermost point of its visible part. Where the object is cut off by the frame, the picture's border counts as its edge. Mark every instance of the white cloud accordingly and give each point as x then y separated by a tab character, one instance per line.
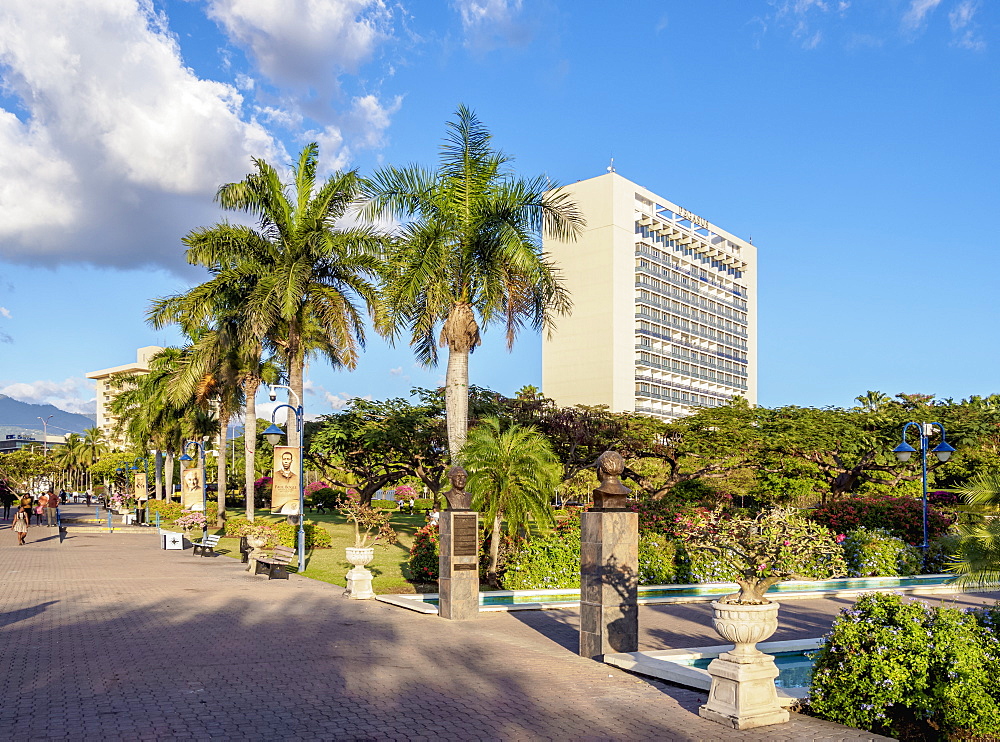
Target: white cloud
964	28
120	143
4	312
305	44
398	371
489	24
916	14
72	395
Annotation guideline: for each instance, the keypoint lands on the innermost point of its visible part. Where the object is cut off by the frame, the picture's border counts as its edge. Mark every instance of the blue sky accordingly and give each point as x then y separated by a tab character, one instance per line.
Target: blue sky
855	142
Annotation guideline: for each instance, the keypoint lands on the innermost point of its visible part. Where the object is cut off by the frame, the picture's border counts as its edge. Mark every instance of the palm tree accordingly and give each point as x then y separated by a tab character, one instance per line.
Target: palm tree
226	362
469	254
513	475
977	562
297	270
94	447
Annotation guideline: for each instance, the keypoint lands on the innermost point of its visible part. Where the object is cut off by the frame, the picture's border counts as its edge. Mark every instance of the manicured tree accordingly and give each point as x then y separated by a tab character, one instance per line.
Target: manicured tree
468	255
300	275
513	474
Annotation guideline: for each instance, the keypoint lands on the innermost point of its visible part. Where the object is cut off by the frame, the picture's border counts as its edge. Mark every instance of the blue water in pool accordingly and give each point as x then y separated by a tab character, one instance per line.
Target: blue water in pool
794	668
680	591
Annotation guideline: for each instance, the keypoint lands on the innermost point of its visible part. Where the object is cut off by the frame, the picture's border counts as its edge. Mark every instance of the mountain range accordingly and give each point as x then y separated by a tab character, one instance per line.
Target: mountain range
22	417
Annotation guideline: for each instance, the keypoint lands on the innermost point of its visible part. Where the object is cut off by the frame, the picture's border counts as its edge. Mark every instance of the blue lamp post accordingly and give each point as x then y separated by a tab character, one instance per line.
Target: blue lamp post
204	490
274	434
942	450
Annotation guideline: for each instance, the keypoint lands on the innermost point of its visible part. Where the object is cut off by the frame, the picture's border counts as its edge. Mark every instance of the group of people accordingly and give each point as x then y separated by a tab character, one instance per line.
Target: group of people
46	506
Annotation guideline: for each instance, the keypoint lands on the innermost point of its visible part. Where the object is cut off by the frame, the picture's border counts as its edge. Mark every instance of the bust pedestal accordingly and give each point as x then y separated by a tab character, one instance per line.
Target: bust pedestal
458	582
609	582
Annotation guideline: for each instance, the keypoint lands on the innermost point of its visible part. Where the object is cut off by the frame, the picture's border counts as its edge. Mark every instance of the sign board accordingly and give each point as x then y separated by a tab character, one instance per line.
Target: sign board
141	493
285	481
192	489
465	537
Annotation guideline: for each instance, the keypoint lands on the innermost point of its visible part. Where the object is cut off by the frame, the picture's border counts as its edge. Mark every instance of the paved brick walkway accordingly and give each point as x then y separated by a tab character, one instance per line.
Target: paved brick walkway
131	642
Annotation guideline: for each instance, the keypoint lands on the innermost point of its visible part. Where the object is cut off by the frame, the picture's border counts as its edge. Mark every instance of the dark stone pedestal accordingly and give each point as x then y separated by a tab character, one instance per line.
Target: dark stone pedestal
458	583
609	583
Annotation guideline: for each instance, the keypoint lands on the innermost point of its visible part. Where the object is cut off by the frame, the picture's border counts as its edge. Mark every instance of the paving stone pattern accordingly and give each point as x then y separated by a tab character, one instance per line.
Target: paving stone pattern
126	641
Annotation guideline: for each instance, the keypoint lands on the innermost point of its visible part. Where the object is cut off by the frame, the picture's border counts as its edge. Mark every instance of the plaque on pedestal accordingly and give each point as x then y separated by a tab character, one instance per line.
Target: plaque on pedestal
458	582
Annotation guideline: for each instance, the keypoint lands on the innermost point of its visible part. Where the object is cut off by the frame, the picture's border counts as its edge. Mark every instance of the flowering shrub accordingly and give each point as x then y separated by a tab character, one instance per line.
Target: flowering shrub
123	502
876	552
551	561
406	492
191	519
943	498
775	545
666	518
901	516
169	511
313	487
423	561
941	553
657	560
910	671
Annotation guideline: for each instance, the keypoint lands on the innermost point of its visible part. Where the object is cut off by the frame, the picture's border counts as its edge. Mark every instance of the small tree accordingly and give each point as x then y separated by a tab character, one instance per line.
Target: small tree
374	522
775	545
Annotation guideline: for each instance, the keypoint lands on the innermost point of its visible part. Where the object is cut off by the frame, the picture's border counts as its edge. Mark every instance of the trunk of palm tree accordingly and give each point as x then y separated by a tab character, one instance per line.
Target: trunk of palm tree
491	570
295	372
158	475
250	442
223	439
461	334
168	480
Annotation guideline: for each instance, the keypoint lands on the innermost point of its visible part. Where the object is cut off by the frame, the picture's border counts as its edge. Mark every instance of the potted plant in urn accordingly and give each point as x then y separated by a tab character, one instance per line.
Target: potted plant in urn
371	527
774	546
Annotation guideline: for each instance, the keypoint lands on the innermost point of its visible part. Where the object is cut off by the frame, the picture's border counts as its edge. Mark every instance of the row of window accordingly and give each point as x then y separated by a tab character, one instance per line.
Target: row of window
693	356
723	306
688	252
689	286
683	342
702	331
690	370
683	310
678	396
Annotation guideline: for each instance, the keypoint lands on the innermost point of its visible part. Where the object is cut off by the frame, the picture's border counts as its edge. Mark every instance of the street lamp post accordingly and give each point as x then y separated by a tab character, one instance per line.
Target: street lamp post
204	489
942	450
273	434
45	434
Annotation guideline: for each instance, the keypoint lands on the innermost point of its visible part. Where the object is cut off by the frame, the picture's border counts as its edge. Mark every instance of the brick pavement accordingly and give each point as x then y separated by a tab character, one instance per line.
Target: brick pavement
132	642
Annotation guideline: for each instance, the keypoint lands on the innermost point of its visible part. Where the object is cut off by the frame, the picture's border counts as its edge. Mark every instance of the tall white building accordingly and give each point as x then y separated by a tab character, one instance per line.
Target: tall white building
664	307
105	392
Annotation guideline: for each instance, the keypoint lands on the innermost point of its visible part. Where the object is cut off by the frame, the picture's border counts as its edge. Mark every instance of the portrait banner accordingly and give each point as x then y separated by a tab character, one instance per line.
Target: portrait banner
141	494
285	481
192	489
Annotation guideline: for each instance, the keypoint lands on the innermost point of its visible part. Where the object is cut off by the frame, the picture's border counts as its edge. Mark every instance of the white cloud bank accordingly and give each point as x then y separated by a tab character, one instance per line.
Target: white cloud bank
75	394
118	142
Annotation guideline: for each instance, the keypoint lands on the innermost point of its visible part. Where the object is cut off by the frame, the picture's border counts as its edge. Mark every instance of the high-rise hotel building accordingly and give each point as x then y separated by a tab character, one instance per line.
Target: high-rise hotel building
664	314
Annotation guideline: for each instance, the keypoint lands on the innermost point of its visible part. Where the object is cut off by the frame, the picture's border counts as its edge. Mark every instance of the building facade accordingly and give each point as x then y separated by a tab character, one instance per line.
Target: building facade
664	314
105	393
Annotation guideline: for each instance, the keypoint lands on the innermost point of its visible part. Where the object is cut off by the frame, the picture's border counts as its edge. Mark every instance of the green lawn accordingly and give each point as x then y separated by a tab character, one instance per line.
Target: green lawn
330	565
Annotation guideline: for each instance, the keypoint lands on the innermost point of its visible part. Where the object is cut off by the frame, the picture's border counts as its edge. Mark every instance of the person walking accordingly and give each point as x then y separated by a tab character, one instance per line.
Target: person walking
20	524
52	510
7	498
39	510
26	503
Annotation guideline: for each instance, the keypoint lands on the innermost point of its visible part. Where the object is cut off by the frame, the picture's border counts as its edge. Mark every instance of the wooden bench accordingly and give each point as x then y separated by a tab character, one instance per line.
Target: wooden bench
206	546
275	564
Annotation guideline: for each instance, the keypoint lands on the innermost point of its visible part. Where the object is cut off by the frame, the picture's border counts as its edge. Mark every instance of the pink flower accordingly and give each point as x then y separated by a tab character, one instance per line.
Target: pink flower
787	543
840	538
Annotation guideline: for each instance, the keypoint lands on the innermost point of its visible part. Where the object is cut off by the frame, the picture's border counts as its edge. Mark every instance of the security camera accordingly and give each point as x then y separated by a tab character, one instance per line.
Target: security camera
273	395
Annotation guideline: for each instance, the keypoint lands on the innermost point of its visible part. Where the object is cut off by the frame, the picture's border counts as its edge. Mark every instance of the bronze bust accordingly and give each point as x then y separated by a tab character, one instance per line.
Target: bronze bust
611	493
457	497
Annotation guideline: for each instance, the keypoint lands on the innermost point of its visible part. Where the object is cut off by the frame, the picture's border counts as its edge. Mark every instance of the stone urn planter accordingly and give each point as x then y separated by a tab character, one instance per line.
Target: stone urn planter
359	579
743	695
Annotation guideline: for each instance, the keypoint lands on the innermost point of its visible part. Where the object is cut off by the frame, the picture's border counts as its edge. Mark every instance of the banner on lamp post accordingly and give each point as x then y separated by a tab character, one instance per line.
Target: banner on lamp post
285	481
192	489
141	493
